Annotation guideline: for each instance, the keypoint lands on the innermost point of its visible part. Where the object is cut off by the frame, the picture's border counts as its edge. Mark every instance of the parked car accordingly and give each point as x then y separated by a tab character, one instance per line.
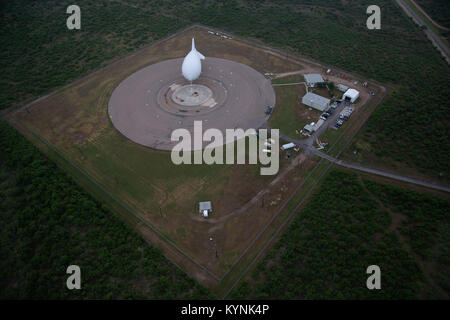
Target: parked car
324	116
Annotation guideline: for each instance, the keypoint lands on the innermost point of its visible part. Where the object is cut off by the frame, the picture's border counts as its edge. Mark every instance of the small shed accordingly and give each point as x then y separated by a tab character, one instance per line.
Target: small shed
205	208
309	127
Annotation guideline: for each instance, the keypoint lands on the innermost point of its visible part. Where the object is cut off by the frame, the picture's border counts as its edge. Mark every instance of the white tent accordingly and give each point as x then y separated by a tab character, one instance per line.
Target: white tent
351	94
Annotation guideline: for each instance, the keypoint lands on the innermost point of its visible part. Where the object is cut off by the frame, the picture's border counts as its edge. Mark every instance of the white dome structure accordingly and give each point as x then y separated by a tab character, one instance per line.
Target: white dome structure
192	66
351	94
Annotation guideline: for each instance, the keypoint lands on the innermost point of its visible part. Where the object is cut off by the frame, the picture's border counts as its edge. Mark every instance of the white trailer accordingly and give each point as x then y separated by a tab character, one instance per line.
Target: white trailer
287	146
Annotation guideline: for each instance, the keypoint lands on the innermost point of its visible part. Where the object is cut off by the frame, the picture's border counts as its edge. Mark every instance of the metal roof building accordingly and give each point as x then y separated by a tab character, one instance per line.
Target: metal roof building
315	101
342	87
313	78
205	208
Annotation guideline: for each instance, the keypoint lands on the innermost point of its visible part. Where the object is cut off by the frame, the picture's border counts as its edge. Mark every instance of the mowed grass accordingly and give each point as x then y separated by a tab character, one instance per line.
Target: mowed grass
147	176
289	79
290	114
331	135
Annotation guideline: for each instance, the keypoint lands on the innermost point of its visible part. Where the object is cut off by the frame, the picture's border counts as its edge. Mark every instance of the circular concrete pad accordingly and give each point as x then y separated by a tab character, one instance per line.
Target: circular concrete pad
192	95
142	108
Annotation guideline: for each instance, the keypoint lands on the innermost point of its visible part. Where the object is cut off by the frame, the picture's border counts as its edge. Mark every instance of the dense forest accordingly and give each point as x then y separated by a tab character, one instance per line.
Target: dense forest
348	225
48	223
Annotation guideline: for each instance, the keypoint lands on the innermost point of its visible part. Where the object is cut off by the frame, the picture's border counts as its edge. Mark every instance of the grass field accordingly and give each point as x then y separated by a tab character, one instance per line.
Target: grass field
290	114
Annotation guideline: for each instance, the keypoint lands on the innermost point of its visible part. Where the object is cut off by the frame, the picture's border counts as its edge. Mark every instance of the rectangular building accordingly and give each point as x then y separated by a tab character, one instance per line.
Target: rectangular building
315	101
312	79
342	87
205	207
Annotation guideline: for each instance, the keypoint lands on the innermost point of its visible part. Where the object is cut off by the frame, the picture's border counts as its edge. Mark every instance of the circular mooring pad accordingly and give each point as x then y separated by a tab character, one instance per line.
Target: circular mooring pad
193	95
148	105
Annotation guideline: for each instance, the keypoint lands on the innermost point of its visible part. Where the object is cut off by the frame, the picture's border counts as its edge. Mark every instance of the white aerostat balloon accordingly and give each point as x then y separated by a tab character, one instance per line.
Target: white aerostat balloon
192	66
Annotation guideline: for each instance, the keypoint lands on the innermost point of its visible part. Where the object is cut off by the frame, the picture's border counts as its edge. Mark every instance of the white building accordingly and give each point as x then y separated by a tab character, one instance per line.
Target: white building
287	146
205	208
312	79
315	101
351	95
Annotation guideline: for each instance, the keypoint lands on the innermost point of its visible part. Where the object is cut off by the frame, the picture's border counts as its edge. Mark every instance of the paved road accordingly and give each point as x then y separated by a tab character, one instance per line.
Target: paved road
383	173
428	31
307	145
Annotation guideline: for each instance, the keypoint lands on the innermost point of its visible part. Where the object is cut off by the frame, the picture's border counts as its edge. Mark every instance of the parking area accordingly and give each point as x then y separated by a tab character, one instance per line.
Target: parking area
334	117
